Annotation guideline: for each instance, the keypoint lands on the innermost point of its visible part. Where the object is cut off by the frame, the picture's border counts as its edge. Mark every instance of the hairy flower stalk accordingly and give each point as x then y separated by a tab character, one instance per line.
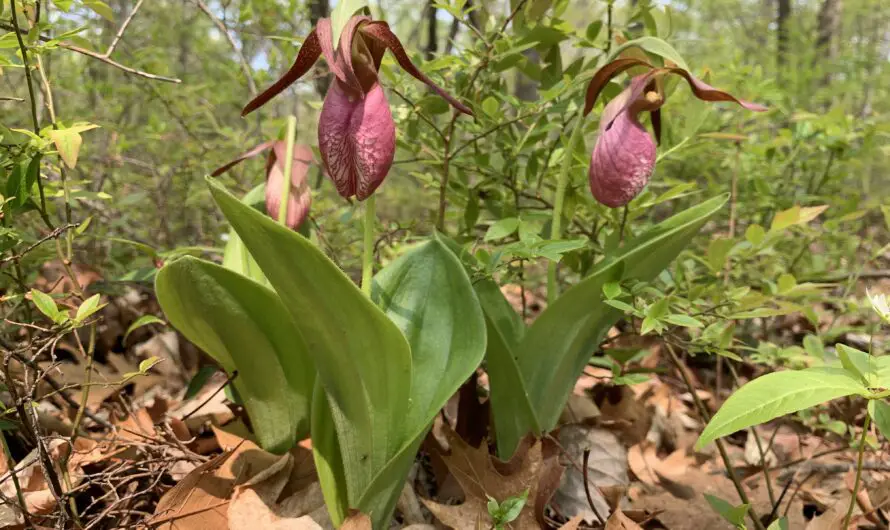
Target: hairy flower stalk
299	198
356	131
624	155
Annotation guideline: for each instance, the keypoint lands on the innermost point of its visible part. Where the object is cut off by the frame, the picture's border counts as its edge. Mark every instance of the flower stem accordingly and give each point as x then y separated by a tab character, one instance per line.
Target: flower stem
561	185
858	471
368	253
290	139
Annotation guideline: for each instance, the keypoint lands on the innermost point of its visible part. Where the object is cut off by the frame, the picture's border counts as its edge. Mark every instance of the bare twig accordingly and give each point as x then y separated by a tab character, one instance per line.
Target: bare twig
211	396
245	66
99	57
706	416
123	28
52	235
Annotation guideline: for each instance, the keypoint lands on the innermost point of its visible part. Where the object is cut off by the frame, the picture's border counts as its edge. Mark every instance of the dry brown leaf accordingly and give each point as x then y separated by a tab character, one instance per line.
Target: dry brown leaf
573	523
250	479
619	521
649	469
255	504
356	521
535	469
606	466
833	519
39	500
626	414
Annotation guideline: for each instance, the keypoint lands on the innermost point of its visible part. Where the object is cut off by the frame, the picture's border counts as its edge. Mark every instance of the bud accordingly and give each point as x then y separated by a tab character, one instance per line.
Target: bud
300	196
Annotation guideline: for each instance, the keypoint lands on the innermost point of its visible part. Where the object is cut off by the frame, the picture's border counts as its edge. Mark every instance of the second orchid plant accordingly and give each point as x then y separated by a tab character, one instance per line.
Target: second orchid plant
365	373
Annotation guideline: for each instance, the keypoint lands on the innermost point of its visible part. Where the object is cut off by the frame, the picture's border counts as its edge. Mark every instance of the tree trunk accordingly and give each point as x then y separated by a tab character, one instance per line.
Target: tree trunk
432	40
319	9
828	35
784	13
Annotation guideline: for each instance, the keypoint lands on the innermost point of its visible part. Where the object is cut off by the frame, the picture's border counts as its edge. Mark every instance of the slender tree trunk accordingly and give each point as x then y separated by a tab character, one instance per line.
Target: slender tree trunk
432	30
828	35
782	16
319	9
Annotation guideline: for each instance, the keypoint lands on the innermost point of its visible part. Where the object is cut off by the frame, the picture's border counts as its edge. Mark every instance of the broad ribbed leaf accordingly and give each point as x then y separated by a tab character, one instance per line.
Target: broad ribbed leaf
777	394
235	256
511	410
245	327
363	360
560	342
428	295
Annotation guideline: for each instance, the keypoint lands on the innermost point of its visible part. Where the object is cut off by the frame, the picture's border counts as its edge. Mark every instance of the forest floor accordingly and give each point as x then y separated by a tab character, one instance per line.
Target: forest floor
163	446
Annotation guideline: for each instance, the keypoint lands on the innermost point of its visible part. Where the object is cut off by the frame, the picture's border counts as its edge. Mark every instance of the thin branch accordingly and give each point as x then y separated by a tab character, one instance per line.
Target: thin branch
99	57
245	66
52	235
123	28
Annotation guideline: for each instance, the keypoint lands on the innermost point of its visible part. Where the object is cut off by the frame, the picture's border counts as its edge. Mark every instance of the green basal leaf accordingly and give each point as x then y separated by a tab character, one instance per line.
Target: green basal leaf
246	328
777	394
559	343
511	408
362	358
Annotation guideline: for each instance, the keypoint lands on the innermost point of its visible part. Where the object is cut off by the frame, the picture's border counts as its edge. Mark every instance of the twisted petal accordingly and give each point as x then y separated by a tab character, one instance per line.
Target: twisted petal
242	157
379	32
357	139
309	52
300	197
706	92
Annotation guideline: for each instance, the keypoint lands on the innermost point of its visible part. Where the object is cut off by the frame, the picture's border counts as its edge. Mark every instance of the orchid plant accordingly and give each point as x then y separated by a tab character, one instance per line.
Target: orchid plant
365	373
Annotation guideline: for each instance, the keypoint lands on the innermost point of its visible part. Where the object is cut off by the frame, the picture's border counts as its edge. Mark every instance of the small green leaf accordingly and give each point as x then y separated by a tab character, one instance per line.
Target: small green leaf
786	282
88	307
813	346
683	320
779	524
491	106
6	425
199	381
612	290
511	508
735	515
718	250
777	394
144	320
148	364
858	363
100	8
655	46
45	304
755	234
502	228
68	144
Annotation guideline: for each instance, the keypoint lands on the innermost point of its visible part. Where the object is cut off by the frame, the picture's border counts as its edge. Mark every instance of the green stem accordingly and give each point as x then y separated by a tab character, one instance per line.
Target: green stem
561	185
368	253
858	471
290	139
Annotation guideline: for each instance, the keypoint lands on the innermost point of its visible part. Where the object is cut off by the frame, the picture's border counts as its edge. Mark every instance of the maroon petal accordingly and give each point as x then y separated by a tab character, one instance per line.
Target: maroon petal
706	92
339	58
357	139
624	155
300	197
622	161
306	57
602	77
379	31
242	157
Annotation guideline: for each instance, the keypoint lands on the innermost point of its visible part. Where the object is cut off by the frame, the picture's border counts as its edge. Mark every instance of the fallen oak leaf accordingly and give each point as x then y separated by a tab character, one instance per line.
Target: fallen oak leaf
619	521
534	470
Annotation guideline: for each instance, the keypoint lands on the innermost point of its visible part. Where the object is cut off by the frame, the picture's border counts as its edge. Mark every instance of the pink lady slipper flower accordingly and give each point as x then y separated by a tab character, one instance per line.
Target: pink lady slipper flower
624	155
356	132
300	197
